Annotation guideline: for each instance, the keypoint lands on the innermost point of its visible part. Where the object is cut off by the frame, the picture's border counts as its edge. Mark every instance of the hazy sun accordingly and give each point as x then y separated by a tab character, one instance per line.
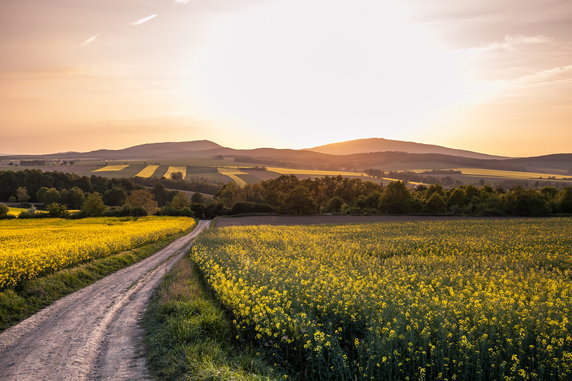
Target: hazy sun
302	68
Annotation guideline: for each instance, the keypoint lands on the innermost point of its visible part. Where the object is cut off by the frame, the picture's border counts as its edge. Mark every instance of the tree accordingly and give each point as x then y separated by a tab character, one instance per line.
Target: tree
56	210
179	201
115	196
177	176
435	204
4	210
197	198
396	198
161	194
142	198
48	196
564	200
300	202
73	197
93	205
22	194
334	205
526	202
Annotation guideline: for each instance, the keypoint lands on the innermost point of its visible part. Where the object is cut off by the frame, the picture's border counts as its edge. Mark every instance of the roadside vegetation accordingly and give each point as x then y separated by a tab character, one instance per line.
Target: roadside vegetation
432	300
190	337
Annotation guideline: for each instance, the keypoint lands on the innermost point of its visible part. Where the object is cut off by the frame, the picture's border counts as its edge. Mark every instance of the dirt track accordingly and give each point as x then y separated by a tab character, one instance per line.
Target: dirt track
94	333
311	220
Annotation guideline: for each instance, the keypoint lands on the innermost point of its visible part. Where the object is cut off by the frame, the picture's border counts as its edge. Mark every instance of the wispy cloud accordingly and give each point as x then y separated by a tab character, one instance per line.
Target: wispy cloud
181	1
510	42
553	76
90	40
144	19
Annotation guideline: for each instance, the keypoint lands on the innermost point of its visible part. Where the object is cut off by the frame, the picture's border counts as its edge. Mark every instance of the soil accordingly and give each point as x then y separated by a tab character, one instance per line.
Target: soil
313	220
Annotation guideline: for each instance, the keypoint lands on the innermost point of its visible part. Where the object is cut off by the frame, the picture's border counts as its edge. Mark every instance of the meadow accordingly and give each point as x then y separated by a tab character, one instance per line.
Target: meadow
35	247
452	300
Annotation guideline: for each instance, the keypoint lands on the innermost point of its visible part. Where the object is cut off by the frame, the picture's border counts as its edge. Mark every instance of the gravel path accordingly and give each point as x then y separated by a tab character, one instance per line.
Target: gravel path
94	333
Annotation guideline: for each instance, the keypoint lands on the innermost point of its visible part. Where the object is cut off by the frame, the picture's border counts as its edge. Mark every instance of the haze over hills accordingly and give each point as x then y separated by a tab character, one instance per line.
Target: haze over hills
385	145
352	155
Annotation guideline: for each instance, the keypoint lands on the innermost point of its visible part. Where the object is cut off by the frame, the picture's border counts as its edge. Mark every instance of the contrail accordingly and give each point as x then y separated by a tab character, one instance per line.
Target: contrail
144	19
90	40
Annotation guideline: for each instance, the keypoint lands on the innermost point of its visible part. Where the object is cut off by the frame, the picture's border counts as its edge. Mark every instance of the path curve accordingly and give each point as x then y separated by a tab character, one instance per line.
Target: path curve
94	333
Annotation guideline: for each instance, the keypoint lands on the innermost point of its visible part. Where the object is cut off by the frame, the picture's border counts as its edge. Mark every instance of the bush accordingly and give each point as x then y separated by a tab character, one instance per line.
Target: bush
247	207
3	210
56	210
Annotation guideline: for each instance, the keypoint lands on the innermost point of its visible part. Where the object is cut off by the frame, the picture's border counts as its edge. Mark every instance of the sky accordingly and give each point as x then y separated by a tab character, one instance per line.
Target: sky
484	75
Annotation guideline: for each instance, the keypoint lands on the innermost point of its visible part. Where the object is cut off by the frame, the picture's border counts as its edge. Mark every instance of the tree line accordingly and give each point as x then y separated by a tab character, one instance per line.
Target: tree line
341	195
95	196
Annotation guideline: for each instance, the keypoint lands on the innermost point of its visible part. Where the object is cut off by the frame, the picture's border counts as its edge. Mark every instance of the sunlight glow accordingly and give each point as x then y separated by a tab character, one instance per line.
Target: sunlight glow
301	68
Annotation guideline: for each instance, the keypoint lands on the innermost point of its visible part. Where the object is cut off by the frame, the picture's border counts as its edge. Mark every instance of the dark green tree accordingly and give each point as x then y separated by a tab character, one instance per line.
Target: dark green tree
56	210
435	204
115	196
93	205
396	198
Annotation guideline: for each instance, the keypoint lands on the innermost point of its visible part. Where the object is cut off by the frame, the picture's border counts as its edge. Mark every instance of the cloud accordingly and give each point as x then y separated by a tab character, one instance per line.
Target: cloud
510	42
144	19
181	1
90	40
553	76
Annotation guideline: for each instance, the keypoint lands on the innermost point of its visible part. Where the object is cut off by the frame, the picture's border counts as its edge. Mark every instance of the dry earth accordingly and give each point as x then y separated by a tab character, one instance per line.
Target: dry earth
94	333
311	220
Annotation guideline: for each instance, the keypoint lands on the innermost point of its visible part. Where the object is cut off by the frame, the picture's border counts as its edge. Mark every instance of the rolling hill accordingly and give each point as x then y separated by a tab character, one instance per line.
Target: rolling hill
385	145
338	156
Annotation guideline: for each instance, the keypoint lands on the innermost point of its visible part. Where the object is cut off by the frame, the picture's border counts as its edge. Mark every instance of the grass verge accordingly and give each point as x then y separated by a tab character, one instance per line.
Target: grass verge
18	303
189	336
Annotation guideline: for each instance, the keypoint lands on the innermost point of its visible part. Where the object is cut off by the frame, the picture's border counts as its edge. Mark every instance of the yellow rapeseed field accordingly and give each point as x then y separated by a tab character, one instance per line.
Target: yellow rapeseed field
30	248
175	169
312	172
111	168
450	300
232	174
148	171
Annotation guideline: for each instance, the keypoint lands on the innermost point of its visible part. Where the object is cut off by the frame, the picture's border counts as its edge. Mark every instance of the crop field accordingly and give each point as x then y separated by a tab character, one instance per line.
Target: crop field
174	169
452	300
292	171
148	171
39	246
233	173
496	173
111	168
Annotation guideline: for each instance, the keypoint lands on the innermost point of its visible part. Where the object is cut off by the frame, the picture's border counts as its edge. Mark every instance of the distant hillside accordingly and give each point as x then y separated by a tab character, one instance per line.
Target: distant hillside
385	145
394	158
170	150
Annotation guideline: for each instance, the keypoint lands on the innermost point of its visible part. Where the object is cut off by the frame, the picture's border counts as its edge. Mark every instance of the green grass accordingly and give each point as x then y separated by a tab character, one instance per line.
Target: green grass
189	336
16	304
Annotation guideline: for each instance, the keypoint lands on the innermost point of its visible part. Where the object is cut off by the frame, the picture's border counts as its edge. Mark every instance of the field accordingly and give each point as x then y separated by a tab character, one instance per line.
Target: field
211	170
39	246
292	171
148	171
111	168
454	300
232	174
176	169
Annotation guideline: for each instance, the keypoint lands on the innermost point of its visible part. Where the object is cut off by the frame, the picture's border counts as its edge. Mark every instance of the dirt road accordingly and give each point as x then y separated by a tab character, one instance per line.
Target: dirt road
312	220
94	333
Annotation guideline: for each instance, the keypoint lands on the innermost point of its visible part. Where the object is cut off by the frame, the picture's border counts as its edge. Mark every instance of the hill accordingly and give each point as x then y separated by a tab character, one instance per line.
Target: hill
385	145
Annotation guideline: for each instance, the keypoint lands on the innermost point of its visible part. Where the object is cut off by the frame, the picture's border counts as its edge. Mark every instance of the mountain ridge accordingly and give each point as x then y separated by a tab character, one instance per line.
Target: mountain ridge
371	145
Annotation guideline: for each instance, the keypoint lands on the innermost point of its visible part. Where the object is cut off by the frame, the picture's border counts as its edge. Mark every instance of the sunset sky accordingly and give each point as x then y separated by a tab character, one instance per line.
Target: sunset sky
485	75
